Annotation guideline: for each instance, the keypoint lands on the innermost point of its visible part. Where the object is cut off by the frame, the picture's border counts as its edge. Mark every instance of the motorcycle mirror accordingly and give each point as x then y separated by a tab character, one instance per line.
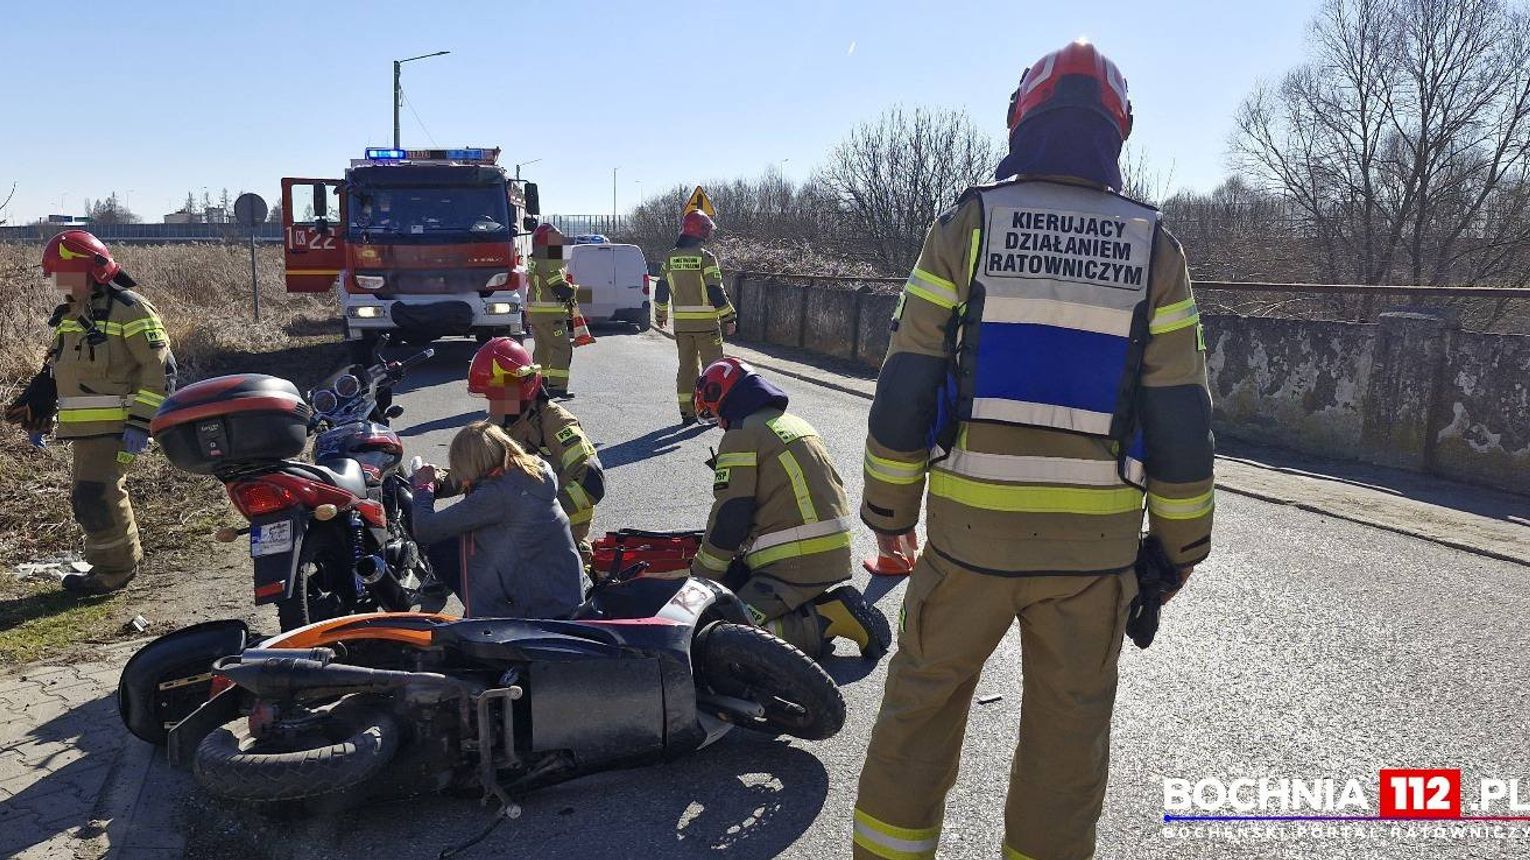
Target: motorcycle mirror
394	411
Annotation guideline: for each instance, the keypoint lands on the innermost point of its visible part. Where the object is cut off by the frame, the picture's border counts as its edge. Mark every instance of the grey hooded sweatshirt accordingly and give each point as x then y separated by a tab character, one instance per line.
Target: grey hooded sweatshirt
518	558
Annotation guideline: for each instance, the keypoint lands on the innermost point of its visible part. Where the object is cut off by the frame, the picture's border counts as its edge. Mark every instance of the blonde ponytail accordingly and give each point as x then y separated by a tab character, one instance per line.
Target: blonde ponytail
482	449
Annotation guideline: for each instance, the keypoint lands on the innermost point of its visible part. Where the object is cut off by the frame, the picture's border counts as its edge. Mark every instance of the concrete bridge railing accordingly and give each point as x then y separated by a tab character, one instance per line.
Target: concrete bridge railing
1412	390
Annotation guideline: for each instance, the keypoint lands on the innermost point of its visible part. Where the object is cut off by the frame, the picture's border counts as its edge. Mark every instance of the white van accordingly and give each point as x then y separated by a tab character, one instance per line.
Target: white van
613	283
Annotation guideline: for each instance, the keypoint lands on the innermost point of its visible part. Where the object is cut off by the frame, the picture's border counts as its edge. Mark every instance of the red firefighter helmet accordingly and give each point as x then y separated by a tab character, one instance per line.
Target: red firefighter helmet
698	224
1076	76
544	235
715	383
79	251
503	370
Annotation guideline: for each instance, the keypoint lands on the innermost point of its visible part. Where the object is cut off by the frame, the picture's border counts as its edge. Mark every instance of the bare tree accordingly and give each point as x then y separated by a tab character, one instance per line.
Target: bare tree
7	201
109	211
1143	180
894	175
1407	127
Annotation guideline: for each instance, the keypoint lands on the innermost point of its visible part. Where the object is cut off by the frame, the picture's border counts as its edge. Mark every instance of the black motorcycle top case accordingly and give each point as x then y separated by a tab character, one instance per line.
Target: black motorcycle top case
232	420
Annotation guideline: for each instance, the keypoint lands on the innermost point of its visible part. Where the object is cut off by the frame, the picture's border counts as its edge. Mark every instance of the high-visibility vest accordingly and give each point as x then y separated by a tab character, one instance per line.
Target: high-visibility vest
1057	317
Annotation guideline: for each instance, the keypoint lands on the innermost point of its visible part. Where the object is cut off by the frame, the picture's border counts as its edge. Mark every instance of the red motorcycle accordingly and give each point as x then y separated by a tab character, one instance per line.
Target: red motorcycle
330	537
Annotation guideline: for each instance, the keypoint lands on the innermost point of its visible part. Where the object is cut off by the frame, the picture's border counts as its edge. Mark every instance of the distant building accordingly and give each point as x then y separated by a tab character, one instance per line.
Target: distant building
183	217
216	215
68	219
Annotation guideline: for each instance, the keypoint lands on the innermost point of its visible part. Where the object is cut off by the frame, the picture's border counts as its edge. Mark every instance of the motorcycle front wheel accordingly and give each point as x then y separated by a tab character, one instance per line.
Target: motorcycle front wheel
745	662
340	752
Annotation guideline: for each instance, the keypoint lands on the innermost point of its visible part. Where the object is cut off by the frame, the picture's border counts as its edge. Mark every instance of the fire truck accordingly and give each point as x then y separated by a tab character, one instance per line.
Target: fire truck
424	243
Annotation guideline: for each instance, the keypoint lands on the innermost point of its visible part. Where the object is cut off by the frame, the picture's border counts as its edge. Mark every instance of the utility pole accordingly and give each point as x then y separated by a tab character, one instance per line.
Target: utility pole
398	90
613	197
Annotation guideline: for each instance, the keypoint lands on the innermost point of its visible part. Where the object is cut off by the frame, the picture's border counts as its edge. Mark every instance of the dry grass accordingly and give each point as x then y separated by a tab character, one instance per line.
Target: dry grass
203	294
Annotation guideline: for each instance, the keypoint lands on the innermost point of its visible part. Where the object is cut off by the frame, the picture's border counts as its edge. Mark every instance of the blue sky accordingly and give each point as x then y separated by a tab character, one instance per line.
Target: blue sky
187	95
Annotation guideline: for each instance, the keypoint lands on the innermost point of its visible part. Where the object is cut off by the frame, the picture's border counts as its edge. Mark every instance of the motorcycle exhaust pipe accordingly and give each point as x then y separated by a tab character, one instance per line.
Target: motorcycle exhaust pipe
290	677
374	572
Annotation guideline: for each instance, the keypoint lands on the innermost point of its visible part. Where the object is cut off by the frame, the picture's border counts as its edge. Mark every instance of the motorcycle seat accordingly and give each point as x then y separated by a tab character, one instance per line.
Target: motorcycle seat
342	472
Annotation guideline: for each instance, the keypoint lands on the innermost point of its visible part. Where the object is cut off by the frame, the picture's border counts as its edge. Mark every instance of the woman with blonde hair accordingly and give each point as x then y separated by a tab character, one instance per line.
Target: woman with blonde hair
514	555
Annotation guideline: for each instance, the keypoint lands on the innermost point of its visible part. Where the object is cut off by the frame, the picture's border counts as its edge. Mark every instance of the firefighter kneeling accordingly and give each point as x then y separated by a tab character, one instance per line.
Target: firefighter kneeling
779	532
503	372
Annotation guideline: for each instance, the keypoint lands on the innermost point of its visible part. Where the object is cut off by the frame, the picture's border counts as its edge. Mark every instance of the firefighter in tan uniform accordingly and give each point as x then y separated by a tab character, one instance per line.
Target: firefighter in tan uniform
547	303
1046	379
112	366
779	531
692	280
504	373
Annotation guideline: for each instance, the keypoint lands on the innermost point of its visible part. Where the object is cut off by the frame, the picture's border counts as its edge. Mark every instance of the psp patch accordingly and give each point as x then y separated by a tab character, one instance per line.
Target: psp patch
721	480
567	435
755	614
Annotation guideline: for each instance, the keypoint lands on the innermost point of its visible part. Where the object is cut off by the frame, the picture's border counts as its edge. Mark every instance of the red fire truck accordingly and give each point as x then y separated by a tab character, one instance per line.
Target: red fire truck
424	243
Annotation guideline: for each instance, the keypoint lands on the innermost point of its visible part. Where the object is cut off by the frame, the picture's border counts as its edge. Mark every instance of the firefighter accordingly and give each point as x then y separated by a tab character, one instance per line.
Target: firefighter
112	366
692	279
779	531
503	372
1051	321
547	308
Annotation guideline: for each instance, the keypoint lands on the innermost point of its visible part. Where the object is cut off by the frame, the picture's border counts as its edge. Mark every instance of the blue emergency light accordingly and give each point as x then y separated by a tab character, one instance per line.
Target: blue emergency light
475	155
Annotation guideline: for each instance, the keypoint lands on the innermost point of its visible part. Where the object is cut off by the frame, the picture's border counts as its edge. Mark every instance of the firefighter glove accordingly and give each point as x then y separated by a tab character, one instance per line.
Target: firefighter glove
135	441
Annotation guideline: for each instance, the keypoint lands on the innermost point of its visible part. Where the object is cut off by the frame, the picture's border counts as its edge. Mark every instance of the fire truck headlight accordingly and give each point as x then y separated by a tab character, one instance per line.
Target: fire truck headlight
366	312
497	281
495	308
369	282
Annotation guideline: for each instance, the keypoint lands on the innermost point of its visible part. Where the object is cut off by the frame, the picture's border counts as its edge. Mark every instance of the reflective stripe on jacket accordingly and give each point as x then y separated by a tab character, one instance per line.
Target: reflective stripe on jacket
691	291
120	380
1010	499
778	502
549	292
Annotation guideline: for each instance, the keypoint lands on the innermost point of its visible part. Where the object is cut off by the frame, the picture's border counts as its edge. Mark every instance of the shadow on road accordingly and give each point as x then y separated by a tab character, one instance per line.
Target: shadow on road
80	747
459	420
749	796
652	444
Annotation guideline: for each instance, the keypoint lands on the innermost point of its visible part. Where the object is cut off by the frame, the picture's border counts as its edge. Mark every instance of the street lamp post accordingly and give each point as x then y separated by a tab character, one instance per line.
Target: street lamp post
398	89
613	197
523	164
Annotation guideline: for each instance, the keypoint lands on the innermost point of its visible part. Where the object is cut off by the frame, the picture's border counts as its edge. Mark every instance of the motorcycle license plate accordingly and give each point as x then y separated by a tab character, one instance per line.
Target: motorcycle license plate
271	538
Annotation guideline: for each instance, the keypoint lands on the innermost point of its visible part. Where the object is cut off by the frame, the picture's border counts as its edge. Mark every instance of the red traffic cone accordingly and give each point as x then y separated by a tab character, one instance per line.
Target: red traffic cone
900	563
582	336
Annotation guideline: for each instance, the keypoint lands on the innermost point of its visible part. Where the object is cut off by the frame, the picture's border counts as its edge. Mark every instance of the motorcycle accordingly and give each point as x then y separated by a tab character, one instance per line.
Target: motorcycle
329	537
648	669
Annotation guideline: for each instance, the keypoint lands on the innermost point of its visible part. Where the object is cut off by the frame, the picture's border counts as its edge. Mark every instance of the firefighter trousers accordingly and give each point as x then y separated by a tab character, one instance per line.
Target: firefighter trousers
697	350
780	597
551	350
100	502
952	620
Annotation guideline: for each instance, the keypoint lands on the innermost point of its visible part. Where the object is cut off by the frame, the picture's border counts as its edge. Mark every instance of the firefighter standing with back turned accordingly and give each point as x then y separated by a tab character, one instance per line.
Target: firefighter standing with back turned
1079	386
503	372
692	280
779	531
112	366
547	305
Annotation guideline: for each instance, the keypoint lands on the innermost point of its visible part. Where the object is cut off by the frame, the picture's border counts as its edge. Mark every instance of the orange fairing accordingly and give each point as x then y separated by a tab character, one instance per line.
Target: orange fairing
410	628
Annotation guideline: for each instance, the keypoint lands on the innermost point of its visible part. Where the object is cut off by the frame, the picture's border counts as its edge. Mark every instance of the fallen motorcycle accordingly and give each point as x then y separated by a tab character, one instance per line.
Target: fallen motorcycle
648	669
329	537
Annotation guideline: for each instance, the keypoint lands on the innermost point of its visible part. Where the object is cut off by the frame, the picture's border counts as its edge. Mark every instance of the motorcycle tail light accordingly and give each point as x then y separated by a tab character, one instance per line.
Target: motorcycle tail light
372	511
258	498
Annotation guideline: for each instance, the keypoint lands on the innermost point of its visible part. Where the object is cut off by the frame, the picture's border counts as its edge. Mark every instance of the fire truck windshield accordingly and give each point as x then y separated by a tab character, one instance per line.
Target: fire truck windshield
416	211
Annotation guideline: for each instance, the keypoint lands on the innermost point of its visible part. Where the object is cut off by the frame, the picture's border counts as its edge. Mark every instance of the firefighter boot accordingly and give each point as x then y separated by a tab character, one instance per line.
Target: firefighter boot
98	582
844	612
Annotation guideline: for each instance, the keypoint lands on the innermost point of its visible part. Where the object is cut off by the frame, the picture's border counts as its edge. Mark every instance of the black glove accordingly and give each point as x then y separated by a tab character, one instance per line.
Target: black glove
35	407
1156	577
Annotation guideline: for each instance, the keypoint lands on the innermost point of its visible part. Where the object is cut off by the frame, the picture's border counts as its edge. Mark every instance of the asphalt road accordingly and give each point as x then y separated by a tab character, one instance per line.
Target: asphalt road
1307	647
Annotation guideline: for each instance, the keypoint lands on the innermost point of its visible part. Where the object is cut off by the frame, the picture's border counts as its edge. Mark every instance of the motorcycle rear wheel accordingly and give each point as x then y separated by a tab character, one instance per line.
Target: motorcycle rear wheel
354	746
799	697
324	562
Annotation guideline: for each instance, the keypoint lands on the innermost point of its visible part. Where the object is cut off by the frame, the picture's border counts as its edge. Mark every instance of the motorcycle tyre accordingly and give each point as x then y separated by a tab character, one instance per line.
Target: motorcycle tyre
225	768
734	656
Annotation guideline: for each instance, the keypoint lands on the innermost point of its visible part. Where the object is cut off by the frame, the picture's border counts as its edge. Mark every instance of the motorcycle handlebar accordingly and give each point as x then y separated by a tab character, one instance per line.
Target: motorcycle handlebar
417	359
